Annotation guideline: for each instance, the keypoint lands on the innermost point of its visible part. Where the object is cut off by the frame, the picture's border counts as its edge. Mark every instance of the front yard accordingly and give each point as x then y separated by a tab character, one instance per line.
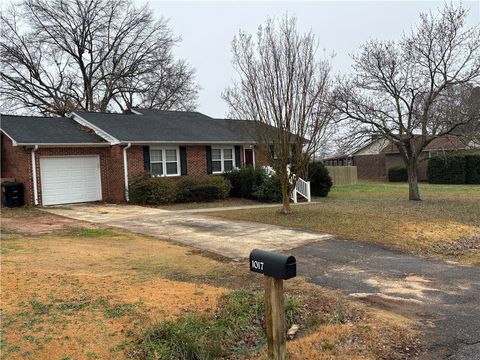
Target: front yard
446	224
71	290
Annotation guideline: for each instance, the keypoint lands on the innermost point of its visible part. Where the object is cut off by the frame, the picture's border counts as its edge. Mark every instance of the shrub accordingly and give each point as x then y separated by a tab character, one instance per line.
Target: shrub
224	186
449	170
269	190
145	189
206	188
245	181
472	174
199	193
320	180
397	174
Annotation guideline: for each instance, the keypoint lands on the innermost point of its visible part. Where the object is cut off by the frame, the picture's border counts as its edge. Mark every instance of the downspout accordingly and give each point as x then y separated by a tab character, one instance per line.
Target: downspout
34	175
125	169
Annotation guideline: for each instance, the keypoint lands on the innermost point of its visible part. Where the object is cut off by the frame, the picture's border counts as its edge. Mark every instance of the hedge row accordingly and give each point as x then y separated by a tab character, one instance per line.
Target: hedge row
145	189
397	174
459	169
254	183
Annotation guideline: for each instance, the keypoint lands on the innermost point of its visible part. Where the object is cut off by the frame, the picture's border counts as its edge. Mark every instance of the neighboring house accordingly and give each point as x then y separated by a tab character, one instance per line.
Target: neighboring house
374	159
93	156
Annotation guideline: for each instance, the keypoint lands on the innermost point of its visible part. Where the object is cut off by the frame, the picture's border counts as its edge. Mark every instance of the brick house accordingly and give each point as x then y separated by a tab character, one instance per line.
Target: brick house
93	156
374	159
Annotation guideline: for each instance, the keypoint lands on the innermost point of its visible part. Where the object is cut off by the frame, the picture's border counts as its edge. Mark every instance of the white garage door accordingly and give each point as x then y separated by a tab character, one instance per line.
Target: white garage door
70	179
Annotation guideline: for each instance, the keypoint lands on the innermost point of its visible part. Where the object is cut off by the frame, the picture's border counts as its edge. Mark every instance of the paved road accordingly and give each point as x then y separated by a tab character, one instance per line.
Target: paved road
445	297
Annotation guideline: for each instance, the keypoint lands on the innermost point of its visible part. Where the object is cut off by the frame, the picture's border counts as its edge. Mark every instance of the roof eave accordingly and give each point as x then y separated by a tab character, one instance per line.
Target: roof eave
64	144
14	143
102	133
185	142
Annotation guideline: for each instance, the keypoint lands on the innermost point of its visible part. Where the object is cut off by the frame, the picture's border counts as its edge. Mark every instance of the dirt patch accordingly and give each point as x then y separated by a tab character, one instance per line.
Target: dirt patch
40	223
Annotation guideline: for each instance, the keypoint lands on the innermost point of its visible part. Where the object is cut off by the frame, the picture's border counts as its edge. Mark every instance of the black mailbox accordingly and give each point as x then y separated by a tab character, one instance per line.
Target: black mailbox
276	265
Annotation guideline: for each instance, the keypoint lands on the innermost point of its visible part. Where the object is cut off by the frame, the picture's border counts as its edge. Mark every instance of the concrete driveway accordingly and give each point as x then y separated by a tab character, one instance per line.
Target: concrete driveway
229	238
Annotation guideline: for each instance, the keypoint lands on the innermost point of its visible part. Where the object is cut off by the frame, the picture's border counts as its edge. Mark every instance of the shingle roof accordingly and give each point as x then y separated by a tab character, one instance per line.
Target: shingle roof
446	142
169	126
46	130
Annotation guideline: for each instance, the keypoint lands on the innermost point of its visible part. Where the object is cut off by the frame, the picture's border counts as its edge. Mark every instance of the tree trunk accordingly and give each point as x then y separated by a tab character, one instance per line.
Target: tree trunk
285	197
413	193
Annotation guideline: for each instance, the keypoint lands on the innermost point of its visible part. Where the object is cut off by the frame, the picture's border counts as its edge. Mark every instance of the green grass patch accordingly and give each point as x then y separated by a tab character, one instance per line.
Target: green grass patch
89	232
235	329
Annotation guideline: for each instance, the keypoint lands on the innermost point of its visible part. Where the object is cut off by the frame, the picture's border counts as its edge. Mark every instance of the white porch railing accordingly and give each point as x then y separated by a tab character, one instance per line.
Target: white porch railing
302	187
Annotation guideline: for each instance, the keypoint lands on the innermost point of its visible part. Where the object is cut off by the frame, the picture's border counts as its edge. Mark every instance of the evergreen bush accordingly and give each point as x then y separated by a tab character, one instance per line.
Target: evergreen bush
397	174
245	181
447	170
320	180
145	189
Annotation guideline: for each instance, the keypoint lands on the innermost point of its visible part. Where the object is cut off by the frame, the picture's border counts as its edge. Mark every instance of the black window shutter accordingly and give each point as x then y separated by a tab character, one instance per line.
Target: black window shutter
183	160
209	159
146	158
272	151
237	156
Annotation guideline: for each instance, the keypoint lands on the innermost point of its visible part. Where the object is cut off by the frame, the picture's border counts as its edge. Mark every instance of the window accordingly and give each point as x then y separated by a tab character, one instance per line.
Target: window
164	162
222	160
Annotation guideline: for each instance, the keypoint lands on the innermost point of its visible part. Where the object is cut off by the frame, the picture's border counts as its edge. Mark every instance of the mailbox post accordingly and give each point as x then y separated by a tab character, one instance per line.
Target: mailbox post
276	268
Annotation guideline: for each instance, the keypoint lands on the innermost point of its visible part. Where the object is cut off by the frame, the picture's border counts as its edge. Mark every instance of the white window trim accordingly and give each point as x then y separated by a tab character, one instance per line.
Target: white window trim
222	158
164	160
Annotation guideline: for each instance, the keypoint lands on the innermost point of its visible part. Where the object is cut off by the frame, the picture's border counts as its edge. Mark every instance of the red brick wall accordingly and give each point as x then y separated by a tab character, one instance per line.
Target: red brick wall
135	161
260	158
17	163
196	160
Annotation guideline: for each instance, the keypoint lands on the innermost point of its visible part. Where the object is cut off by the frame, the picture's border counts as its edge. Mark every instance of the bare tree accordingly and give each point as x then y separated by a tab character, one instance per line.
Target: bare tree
414	90
283	88
57	56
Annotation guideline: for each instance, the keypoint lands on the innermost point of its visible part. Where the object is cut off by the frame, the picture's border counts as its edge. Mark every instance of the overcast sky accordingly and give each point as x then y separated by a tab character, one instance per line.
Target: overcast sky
207	29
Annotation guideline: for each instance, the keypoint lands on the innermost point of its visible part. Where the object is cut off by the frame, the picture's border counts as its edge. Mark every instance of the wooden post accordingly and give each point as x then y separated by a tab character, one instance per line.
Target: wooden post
275	318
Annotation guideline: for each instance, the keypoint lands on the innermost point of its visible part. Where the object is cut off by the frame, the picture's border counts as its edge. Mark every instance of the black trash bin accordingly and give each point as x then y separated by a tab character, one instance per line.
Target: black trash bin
12	194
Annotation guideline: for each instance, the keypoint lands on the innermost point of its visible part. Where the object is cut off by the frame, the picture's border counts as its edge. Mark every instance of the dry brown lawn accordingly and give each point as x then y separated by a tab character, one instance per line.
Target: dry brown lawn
70	290
446	224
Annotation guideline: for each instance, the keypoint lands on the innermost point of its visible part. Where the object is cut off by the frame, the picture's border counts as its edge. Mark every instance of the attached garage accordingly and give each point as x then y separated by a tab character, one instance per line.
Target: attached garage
70	179
58	161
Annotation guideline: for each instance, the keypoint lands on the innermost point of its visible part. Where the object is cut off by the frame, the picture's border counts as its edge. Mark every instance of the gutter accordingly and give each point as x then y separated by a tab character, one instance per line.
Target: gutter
64	144
34	175
125	170
180	142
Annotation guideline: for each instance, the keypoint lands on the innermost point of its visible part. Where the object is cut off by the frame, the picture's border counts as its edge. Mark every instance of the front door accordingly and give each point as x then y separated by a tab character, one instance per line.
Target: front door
248	157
